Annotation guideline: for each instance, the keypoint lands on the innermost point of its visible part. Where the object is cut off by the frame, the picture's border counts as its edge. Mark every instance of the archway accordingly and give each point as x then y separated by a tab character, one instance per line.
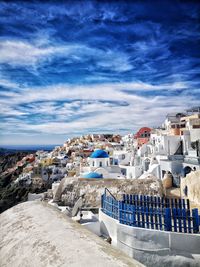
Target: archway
146	164
186	170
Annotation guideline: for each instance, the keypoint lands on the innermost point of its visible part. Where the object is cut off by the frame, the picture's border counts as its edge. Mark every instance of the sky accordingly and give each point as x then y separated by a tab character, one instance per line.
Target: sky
77	67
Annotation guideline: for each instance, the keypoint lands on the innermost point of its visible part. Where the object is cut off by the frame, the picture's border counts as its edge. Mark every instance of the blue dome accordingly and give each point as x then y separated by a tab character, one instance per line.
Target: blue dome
94	175
99	153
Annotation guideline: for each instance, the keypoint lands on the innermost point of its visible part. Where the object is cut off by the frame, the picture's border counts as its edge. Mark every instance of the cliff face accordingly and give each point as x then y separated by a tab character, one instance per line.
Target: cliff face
11	193
70	189
34	234
9	159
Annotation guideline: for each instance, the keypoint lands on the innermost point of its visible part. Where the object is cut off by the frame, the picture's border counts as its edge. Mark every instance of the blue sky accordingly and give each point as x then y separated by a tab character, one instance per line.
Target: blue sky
81	67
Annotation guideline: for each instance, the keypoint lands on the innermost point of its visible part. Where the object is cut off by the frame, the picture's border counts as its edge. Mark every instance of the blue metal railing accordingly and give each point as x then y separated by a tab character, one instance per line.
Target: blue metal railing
110	205
152	212
156	202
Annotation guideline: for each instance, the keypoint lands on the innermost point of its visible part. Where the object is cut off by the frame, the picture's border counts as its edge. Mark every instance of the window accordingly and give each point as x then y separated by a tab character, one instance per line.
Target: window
100	164
146	164
93	163
185	190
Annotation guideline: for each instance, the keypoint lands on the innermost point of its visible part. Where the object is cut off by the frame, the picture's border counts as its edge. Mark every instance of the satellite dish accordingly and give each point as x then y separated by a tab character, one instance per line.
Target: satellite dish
77	207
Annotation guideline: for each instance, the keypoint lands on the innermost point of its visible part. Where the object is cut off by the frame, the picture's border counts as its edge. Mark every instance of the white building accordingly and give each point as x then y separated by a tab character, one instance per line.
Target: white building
99	162
24	178
174	149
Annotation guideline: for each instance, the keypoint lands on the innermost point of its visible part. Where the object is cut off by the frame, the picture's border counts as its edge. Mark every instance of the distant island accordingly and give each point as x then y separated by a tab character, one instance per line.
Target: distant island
9	149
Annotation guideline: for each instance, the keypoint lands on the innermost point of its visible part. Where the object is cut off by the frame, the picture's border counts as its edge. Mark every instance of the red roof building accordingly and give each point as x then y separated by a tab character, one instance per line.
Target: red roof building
142	136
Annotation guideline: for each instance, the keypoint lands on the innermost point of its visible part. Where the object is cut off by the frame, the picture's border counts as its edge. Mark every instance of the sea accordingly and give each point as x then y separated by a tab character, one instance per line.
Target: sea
29	147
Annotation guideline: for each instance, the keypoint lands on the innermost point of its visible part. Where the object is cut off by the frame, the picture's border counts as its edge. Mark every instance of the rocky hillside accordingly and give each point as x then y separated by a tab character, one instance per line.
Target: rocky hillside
8	159
10	193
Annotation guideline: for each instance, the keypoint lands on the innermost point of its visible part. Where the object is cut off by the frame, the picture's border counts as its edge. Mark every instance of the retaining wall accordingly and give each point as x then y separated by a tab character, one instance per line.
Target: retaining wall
153	247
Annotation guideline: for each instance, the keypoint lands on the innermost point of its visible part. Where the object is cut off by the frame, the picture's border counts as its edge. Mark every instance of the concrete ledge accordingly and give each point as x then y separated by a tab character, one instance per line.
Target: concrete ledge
153	247
189	243
109	228
36	234
142	239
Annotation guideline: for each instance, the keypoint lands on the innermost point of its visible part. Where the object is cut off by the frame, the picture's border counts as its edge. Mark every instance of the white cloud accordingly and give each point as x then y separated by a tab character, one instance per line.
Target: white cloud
24	53
21	53
78	109
7	83
66	92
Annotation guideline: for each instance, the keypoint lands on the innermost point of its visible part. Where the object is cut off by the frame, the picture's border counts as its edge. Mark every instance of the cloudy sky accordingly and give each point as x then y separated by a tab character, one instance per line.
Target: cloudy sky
89	67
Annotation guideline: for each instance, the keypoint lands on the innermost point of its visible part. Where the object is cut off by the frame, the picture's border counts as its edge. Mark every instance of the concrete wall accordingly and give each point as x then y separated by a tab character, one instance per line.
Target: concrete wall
93	227
171	166
123	157
109	172
153	247
102	171
99	162
108	227
154	169
132	172
165	144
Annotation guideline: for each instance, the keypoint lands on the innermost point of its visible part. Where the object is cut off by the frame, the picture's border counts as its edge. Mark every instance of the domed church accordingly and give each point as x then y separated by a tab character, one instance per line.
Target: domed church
99	163
99	158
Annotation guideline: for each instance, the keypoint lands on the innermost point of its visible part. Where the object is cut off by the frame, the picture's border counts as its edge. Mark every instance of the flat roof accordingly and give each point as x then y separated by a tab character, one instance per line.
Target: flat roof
36	234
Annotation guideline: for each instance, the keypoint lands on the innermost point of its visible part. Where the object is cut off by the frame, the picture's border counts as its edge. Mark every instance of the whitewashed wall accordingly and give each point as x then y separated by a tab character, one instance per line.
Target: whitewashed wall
152	247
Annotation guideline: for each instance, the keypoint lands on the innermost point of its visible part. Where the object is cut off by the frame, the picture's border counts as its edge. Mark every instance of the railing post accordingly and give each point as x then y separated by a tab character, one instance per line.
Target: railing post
180	204
160	218
147	216
145	201
117	210
120	211
132	215
131	199
151	218
102	202
195	217
183	201
179	220
168	219
142	214
189	221
188	204
124	197
184	220
174	216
